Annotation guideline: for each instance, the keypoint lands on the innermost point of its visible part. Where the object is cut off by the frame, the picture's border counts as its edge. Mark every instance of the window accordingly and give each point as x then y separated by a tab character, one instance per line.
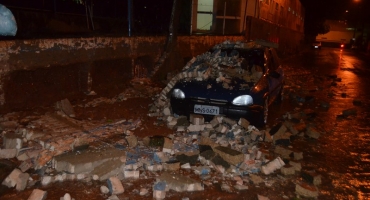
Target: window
205	14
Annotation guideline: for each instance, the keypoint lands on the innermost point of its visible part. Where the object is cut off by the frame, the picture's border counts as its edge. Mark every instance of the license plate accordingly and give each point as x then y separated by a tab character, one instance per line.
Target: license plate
208	110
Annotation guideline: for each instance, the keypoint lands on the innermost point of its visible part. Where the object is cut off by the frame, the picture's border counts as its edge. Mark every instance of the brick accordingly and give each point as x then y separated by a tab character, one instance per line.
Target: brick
297	165
311	177
255	179
283	152
37	194
278	129
244	123
12	178
115	186
287	170
171	166
26	165
273	165
306	190
22	181
8	153
12	141
229	155
196	119
132	174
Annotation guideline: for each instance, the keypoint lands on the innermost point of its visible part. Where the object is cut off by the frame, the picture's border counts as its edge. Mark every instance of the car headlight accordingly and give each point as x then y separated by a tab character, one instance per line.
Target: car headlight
243	100
178	94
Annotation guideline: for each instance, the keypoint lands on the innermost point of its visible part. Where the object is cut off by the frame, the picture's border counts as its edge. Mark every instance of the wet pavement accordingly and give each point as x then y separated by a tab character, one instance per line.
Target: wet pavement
322	83
341	155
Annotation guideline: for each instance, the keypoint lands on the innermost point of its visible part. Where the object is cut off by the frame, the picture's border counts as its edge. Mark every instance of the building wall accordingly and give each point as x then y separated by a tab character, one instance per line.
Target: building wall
61	68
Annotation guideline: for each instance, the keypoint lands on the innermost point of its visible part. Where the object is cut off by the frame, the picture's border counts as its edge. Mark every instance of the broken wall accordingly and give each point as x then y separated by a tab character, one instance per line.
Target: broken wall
41	71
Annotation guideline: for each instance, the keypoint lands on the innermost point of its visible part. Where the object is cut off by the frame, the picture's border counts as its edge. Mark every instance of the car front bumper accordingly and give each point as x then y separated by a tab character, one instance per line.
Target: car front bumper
185	107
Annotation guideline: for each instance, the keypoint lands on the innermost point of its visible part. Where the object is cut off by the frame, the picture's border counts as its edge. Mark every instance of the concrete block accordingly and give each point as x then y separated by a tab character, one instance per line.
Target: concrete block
8	153
196	119
12	141
115	186
306	190
154	168
216	121
108	169
12	178
222	128
158	194
229	155
60	177
37	194
168	144
244	123
86	161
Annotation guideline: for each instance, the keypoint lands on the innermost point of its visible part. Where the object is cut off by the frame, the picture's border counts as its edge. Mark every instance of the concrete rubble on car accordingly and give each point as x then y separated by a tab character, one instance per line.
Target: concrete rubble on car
233	153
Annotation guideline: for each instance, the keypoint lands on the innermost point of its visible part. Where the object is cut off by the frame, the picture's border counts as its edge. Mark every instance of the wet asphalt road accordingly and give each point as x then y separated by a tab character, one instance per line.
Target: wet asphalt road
342	153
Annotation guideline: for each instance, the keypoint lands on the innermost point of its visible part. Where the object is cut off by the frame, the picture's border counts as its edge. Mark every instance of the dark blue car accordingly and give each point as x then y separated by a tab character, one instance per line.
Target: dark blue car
236	80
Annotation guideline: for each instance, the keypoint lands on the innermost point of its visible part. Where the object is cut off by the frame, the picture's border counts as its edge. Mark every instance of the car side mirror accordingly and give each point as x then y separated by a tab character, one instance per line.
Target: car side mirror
274	74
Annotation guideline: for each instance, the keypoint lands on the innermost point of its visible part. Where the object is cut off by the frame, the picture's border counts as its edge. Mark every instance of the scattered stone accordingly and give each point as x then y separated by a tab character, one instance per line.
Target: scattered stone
66	107
38	194
272	166
297	165
306	190
115	186
104	189
244	123
226	188
26	165
196	119
46	180
132	174
171	166
260	197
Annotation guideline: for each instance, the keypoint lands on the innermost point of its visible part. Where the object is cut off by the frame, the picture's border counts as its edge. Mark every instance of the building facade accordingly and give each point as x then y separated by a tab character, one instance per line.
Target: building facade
230	16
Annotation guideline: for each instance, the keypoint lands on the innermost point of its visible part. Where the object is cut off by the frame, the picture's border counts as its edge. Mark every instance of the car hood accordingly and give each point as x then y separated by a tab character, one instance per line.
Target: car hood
214	88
